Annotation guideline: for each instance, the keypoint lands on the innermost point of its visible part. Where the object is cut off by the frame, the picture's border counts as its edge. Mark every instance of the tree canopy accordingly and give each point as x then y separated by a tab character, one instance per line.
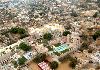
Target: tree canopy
24	46
22	60
54	65
65	33
83	46
17	30
39	58
96	35
48	36
95	15
73	64
74	14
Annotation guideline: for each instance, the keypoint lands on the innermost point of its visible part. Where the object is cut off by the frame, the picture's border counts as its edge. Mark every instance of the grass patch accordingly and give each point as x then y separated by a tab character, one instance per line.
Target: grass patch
58	44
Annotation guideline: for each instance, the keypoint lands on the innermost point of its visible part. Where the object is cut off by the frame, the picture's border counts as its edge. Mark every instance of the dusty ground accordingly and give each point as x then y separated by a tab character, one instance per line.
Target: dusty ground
64	66
34	66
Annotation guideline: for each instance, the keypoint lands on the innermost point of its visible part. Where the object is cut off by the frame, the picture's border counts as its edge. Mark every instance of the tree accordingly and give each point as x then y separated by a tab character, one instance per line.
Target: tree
21	31
98	1
83	46
15	64
95	15
54	65
14	30
17	30
39	58
88	0
96	35
74	14
47	36
73	62
22	60
23	36
84	37
24	46
65	33
90	50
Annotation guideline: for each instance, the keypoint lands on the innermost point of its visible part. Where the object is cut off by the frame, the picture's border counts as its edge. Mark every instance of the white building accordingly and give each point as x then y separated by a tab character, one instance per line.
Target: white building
96	57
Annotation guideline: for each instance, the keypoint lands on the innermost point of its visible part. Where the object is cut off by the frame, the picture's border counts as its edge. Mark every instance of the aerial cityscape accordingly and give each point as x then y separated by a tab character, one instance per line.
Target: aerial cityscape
49	34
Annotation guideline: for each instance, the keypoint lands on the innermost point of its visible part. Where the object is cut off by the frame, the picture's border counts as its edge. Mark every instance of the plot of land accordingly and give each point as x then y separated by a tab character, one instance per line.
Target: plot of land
64	66
34	66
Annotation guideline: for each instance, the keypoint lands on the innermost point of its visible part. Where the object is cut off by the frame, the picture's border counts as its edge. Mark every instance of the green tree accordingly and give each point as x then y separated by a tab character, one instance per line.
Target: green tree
73	62
88	0
48	36
21	31
14	30
84	37
54	65
15	64
24	46
96	35
95	15
98	1
65	33
23	36
39	58
74	14
22	60
83	46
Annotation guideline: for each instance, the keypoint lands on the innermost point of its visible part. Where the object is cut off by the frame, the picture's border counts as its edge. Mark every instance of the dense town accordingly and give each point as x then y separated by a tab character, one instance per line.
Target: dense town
49	34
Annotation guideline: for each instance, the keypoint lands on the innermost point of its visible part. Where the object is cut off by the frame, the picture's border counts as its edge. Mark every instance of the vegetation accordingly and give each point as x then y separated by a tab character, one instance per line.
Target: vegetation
49	48
65	33
58	44
15	64
23	36
74	14
73	61
47	36
17	30
95	15
83	46
22	60
39	58
96	35
54	65
90	50
98	1
24	47
84	37
21	31
88	0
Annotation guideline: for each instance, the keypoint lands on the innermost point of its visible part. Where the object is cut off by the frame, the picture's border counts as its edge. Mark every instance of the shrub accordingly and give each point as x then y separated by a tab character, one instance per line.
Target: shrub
65	33
47	36
39	58
96	35
24	47
14	30
54	65
22	60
